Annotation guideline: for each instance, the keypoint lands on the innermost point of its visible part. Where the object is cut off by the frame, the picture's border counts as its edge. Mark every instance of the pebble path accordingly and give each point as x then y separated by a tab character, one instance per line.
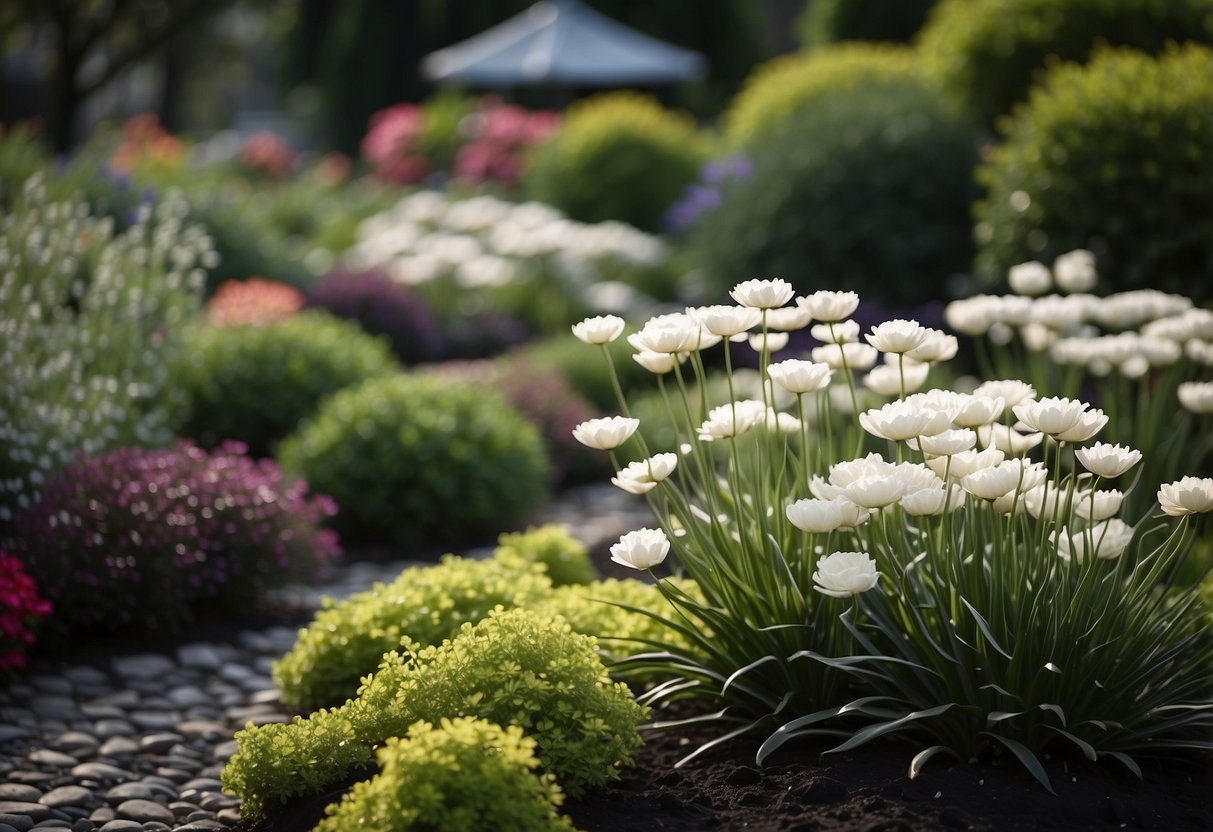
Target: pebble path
136	742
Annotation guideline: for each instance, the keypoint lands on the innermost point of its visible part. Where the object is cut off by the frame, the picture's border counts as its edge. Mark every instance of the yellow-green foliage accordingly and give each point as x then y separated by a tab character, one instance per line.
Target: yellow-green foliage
346	640
987	54
780	88
463	775
563	556
617	156
513	668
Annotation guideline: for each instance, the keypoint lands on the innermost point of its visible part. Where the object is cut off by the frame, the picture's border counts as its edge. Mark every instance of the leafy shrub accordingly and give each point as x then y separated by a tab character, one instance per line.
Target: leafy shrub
588	374
617	156
824	22
425	604
512	668
256	384
20	609
987	54
781	88
139	537
869	189
1115	157
88	328
417	458
464	774
381	306
484	335
252	302
563	557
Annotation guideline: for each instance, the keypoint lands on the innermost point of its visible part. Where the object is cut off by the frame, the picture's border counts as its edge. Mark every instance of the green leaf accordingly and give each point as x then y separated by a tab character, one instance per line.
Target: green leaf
921	758
999	716
873	731
1057	709
708	746
1025	756
985	628
1087	749
1127	761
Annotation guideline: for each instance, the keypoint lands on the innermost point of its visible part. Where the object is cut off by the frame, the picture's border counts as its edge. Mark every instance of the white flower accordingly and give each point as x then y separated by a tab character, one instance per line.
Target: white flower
966	462
1011	391
898	421
886	380
782	422
762	294
1094	506
927	502
1044	502
1106	460
1058	312
1190	495
1090	423
897	336
606	433
732	419
658	362
1196	396
798	376
600	329
971	316
1075	271
769	341
788	318
672	333
641	549
875	492
1030	278
726	321
992	483
843	574
1106	540
975	411
830	306
818	516
641	477
1007	439
947	443
854	356
937	346
844	473
840	332
1053	415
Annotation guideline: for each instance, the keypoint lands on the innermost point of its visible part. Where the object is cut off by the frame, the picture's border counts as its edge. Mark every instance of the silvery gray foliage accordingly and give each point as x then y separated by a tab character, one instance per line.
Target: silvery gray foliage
88	321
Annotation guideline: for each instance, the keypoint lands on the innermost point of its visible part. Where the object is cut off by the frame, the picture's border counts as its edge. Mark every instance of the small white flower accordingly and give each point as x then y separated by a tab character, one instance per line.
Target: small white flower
643	476
1106	540
875	492
788	319
830	306
770	341
897	336
928	502
1196	396
840	332
1011	391
762	294
1007	439
937	346
854	356
1045	502
1108	461
1190	495
886	380
659	363
726	321
948	443
971	316
673	333
819	516
1075	271
843	574
1090	423
732	419
1052	415
1095	506
898	421
781	422
1031	278
964	463
992	483
641	549
601	329
606	433
975	411
798	376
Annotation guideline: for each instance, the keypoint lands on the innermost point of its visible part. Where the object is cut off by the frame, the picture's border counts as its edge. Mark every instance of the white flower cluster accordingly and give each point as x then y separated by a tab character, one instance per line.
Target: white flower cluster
485	242
87	317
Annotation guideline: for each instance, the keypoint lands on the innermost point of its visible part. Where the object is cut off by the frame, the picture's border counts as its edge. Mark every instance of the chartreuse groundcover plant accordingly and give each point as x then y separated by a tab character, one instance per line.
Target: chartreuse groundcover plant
950	568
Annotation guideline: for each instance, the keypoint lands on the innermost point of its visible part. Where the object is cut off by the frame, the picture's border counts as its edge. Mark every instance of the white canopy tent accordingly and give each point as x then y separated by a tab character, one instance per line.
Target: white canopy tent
562	42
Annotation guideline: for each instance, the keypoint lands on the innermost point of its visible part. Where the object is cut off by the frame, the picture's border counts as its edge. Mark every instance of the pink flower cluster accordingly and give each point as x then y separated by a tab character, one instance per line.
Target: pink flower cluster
252	302
20	609
499	137
267	154
393	145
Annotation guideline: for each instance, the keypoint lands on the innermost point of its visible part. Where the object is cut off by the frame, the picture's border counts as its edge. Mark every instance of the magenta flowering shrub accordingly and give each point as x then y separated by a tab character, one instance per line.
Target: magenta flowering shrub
499	137
393	145
20	609
143	537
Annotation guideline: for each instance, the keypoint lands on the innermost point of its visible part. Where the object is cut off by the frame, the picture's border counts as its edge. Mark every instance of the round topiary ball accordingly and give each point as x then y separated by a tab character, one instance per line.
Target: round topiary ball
617	156
782	87
987	54
869	190
417	458
1115	157
255	384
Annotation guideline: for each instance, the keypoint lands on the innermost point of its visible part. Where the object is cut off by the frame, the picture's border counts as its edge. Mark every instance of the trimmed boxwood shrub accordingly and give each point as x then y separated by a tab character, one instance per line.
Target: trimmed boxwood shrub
617	156
462	774
987	54
563	557
779	89
869	190
416	458
138	537
256	384
830	21
513	668
1115	157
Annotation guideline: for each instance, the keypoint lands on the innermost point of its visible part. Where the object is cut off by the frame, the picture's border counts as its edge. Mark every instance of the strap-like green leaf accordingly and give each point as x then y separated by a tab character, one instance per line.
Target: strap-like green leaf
984	627
1085	747
873	731
1025	756
921	758
1127	761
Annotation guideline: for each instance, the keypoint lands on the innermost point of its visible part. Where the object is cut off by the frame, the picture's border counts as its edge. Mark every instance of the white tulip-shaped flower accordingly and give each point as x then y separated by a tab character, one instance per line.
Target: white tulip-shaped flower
820	516
1031	278
844	473
1106	540
673	333
1108	461
897	336
1012	391
843	574
769	341
929	502
887	379
762	294
1090	423
1074	271
1008	440
607	433
659	363
875	492
964	463
1190	495
601	329
840	332
898	421
1046	502
798	376
971	316
788	319
937	346
826	305
992	483
855	356
948	443
1095	506
975	411
1199	351
1052	415
641	549
643	476
726	321
731	420
1196	396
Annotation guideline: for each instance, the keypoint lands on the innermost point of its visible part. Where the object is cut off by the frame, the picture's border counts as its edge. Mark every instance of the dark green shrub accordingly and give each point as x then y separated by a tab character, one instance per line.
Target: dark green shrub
513	668
830	21
1115	157
464	774
781	88
617	156
416	458
563	557
868	190
345	641
257	383
987	54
